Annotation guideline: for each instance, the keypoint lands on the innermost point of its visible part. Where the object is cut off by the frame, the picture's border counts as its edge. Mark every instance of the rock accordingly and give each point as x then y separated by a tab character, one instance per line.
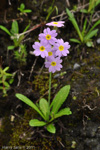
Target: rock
98	41
76	66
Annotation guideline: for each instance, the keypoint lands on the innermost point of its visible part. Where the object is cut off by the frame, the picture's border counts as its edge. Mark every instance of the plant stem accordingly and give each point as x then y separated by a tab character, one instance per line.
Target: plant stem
49	88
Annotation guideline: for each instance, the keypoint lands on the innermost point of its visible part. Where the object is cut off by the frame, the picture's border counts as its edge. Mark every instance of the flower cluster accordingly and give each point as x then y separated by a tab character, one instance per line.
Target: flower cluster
51	48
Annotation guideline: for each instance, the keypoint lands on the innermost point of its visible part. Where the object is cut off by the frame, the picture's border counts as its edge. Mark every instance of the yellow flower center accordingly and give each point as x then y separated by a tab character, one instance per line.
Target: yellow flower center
42	48
53	63
50	53
61	48
48	36
55	22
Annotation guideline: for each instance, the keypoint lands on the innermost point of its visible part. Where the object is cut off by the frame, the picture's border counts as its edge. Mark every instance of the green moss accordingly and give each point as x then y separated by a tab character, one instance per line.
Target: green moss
5	131
20	130
24	135
41	83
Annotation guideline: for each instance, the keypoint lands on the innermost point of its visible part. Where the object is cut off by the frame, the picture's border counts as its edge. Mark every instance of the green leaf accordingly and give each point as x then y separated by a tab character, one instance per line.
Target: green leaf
62	112
90	35
36	123
97	2
5	29
84	27
8	74
59	99
1	87
75	24
11	47
89	44
22	6
14	28
26	27
84	11
6	84
11	81
5	69
18	42
75	40
19	9
44	107
27	11
30	103
51	128
96	24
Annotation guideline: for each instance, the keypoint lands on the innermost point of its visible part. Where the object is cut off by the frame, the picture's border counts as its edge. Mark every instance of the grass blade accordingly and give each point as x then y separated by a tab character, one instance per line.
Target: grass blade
90	35
75	40
74	22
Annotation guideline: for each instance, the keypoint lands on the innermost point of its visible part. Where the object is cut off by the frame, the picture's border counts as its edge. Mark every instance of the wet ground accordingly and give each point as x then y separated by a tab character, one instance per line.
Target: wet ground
79	131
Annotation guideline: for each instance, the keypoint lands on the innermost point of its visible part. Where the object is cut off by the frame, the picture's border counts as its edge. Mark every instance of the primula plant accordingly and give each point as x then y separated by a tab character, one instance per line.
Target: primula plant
22	9
21	54
52	50
86	35
19	48
14	34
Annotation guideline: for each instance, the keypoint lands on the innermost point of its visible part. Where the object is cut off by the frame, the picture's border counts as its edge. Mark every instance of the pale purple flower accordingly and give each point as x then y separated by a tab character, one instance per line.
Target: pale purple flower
41	49
56	23
51	54
61	48
54	64
48	36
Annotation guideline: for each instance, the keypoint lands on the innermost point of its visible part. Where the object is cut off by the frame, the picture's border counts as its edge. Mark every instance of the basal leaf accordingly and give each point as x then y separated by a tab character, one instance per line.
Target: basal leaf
75	24
44	107
36	123
62	112
14	28
27	11
93	26
90	35
5	29
30	103
89	44
51	128
22	6
75	40
59	99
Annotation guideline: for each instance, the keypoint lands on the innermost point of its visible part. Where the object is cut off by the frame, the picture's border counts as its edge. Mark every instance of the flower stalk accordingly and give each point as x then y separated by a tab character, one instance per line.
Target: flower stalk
49	95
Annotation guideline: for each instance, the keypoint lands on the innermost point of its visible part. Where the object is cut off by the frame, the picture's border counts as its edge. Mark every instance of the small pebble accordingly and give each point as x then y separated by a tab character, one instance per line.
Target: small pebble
76	66
98	41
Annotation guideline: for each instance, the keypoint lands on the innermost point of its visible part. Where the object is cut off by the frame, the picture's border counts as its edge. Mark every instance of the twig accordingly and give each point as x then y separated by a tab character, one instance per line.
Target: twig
33	28
89	107
9	2
32	68
73	11
68	3
79	2
19	77
41	70
85	105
